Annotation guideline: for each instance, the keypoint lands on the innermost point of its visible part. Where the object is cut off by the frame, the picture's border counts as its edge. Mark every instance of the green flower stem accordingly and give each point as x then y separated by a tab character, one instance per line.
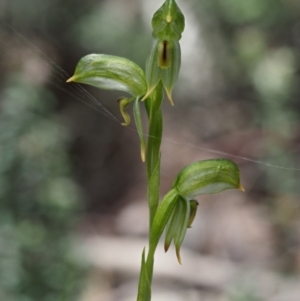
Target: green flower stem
153	108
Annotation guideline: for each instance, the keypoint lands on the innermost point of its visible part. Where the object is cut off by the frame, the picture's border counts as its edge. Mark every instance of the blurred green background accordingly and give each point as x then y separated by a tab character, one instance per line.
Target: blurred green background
69	172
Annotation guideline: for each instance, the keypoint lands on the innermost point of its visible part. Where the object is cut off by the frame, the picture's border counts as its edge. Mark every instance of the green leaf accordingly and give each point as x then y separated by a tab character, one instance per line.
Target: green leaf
209	176
110	73
161	218
144	290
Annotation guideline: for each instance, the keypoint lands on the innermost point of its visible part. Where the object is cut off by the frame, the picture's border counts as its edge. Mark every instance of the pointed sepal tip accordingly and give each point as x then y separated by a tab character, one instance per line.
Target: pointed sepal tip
178	255
143	152
167	246
71	79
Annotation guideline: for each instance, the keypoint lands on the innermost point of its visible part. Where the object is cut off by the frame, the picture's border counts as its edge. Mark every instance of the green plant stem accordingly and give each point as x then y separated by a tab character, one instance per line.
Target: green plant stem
153	107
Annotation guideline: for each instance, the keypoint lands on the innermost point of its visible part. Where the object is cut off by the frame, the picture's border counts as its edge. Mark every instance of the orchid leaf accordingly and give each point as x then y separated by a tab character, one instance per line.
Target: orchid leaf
162	217
144	290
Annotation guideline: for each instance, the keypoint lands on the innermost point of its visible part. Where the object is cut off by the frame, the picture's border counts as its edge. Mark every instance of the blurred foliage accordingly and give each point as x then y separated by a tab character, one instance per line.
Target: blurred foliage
107	29
260	45
39	201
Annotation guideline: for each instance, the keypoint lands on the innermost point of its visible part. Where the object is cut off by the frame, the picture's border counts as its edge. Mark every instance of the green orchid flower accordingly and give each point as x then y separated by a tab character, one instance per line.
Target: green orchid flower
177	210
164	61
